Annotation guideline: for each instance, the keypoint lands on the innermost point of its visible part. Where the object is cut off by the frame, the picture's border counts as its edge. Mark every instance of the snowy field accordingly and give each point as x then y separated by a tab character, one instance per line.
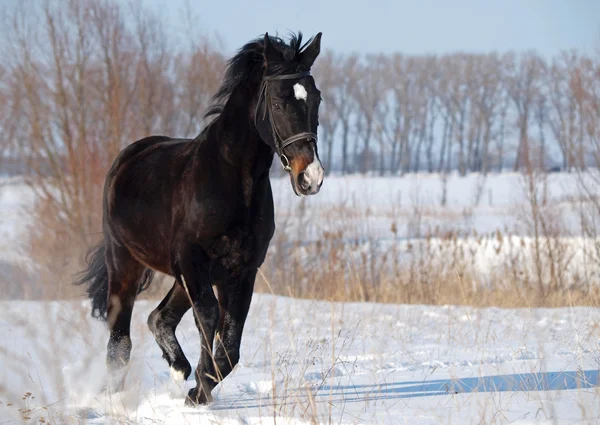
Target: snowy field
318	362
473	202
306	362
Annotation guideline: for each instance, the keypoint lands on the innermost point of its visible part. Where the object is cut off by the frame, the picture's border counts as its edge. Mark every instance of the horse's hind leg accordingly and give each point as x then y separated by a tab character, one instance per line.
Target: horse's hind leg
124	276
162	323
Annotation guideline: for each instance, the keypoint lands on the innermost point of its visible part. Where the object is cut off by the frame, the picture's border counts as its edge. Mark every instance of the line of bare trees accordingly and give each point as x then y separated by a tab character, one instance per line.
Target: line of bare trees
81	79
94	76
470	112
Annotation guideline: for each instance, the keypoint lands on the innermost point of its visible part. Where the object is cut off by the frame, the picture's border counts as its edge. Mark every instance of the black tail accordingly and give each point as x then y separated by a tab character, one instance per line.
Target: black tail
96	274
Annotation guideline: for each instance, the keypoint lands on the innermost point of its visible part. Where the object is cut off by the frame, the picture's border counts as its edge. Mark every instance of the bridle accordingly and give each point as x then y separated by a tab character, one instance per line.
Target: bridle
280	143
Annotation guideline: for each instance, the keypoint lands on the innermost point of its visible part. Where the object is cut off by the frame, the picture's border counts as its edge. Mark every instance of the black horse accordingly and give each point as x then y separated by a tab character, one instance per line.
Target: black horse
201	210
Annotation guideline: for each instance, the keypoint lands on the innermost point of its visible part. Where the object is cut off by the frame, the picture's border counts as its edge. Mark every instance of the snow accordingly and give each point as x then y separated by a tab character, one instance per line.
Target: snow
15	198
304	359
377	202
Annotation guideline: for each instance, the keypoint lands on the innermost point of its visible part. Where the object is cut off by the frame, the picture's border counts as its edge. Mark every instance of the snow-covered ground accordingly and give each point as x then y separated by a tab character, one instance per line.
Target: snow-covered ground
16	199
306	361
473	202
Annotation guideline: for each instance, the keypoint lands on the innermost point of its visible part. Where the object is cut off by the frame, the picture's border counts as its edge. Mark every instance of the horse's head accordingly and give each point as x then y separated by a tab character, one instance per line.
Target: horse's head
287	113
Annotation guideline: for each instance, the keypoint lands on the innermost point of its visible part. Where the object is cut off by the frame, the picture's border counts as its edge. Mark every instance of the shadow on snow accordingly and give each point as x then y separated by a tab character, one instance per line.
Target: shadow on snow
526	382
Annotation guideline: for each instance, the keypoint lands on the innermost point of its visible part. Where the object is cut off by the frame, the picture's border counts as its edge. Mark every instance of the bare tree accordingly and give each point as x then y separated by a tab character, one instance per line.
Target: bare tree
563	108
325	71
523	85
487	101
421	110
502	129
410	107
340	95
155	103
456	100
368	95
387	127
10	104
199	75
446	112
541	113
432	82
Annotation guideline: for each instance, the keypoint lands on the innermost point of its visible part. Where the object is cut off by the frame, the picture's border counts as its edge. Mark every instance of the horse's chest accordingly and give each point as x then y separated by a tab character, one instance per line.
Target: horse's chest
233	250
234	235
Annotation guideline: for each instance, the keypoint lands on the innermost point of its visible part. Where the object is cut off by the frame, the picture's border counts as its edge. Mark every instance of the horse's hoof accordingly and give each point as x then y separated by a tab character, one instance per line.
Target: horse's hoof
197	398
111	389
115	386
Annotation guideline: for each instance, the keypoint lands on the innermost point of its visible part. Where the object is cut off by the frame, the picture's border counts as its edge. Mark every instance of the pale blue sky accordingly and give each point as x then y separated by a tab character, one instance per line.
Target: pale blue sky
417	26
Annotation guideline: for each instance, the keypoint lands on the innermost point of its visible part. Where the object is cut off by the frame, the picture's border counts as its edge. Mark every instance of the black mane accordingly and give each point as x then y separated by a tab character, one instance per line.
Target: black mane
247	66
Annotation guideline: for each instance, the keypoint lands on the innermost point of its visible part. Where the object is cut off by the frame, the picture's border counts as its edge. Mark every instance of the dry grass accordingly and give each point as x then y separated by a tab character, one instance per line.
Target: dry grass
440	268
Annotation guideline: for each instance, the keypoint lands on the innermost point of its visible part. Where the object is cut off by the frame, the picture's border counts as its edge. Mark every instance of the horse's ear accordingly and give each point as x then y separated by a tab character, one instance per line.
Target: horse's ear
312	51
271	54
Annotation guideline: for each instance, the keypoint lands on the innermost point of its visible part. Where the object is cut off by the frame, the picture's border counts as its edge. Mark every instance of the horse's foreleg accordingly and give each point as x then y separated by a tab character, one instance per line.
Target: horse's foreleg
235	302
191	269
162	323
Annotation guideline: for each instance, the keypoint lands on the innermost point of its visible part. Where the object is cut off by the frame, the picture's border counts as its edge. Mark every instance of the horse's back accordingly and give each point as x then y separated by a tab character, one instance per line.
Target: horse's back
138	195
144	166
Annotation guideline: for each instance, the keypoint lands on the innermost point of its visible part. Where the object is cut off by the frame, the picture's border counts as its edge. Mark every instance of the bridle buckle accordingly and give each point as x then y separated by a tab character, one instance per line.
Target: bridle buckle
285	163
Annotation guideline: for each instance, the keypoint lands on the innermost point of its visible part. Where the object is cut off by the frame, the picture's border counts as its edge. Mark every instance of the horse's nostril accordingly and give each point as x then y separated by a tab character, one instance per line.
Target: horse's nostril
303	181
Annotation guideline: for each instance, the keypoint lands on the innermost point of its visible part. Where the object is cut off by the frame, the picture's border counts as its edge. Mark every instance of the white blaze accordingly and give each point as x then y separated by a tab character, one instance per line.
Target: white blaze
300	92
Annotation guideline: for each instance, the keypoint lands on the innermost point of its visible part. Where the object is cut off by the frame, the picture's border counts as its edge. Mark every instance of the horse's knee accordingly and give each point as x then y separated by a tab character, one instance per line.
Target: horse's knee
209	314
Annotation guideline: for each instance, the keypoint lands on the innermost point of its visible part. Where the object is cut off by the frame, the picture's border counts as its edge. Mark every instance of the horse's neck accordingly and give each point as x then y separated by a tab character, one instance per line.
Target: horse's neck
241	146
